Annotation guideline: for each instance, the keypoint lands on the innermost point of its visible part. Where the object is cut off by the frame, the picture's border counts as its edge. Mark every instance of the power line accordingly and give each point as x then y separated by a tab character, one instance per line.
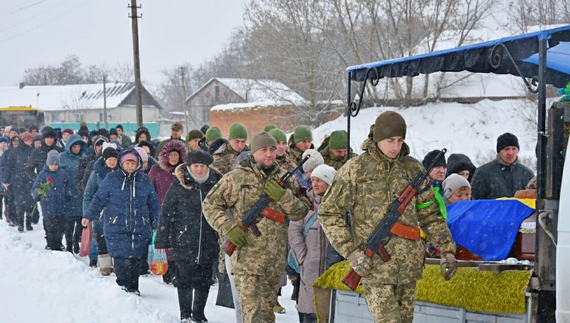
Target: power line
32	17
54	18
21	8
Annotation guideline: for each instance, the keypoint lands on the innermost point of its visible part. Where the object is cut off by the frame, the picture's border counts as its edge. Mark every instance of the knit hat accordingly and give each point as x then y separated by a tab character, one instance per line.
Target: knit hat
302	133
324	172
48	132
68	130
338	139
52	157
507	139
213	133
315	160
129	156
238	130
389	124
430	157
104	132
119	126
177	126
269	127
454	182
261	140
278	134
142	153
194	134
83	124
26	136
37	137
3	139
83	132
109	152
198	157
113	131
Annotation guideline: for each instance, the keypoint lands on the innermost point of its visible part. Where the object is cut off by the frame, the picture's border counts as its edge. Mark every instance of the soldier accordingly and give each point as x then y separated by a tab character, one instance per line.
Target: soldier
226	155
300	140
258	261
334	153
365	186
192	139
283	158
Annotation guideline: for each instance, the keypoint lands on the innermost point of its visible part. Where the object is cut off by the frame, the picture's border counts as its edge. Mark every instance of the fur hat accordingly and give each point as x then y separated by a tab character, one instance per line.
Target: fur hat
389	124
109	152
278	134
430	157
238	130
52	157
302	133
48	132
198	157
507	139
314	161
338	139
452	183
261	140
324	172
213	133
26	136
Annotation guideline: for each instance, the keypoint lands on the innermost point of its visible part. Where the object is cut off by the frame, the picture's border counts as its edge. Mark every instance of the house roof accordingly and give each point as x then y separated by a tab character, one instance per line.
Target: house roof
252	90
67	97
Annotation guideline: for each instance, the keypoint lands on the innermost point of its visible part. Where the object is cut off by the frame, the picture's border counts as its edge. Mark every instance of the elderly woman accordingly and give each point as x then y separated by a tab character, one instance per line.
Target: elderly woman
183	228
309	243
131	213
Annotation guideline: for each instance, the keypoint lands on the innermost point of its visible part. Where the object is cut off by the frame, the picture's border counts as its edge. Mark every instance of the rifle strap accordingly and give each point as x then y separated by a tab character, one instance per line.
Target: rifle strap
405	231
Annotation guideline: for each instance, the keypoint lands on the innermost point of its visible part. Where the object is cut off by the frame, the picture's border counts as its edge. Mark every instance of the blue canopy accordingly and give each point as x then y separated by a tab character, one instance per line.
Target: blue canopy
487	228
488	57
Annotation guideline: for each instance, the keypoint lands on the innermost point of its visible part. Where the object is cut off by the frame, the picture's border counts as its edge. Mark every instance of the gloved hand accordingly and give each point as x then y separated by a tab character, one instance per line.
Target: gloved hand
448	265
237	236
360	262
274	190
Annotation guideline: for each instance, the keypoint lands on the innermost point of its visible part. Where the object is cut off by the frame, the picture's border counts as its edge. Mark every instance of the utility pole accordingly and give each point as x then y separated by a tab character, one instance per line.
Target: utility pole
105	101
138	91
184	99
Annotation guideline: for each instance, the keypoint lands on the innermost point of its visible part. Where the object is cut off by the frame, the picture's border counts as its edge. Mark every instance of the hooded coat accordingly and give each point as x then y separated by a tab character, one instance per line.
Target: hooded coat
58	194
162	173
38	157
69	162
100	170
182	225
83	170
131	211
16	175
459	162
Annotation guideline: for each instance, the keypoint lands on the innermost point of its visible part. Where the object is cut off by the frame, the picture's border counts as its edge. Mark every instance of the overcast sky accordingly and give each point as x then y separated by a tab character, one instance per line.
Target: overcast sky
171	32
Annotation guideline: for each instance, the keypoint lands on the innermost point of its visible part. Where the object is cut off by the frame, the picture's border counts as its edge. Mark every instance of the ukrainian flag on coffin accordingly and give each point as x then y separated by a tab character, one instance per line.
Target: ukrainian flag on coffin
487	228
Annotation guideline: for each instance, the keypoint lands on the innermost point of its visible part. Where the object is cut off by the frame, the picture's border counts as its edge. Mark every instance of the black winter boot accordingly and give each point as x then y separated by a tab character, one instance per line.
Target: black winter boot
200	299
185	302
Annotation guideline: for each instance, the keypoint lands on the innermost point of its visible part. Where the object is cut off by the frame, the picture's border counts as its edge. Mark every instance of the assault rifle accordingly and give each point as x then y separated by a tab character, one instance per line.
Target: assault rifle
260	208
381	234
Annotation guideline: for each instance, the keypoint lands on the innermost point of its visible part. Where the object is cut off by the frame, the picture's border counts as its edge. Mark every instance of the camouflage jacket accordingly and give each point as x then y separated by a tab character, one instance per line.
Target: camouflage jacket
365	186
238	191
294	153
333	161
286	162
225	157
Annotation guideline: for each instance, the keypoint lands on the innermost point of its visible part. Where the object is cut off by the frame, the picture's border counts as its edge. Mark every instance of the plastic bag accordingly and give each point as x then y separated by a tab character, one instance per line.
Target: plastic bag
158	262
86	237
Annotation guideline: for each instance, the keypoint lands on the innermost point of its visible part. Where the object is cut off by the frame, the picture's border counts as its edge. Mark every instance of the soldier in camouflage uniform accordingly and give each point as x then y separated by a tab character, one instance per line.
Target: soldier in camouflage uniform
258	261
283	159
300	140
334	153
226	155
365	186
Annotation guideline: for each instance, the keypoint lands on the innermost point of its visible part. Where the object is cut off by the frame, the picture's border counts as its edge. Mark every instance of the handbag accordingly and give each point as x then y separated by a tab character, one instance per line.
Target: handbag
158	262
86	237
292	261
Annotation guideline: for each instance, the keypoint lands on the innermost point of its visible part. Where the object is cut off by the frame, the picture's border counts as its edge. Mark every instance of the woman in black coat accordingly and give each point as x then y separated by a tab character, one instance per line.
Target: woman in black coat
183	228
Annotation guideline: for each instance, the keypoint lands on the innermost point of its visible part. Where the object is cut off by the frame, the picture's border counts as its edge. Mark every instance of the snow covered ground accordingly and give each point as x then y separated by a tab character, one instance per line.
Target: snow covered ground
37	285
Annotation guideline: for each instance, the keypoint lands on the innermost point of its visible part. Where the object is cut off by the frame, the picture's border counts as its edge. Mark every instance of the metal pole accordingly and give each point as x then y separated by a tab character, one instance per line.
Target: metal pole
184	100
348	118
105	101
138	91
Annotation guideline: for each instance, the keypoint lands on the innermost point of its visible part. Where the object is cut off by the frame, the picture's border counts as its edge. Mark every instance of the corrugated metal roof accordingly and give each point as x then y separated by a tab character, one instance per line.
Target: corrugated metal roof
65	97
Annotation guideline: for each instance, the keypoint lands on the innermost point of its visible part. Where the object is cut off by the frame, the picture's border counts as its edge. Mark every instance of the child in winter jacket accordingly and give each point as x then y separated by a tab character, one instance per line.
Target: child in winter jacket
51	189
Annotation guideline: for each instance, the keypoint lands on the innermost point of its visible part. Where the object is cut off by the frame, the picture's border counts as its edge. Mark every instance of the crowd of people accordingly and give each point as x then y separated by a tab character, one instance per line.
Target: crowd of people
193	191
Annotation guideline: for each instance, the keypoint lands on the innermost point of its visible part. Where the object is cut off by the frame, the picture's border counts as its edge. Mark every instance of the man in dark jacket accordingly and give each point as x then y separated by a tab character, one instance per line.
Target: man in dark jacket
10	210
503	176
83	170
38	157
19	181
176	134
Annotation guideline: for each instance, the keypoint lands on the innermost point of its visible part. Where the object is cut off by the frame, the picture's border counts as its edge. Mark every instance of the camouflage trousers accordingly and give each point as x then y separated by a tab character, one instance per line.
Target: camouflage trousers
391	303
257	295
